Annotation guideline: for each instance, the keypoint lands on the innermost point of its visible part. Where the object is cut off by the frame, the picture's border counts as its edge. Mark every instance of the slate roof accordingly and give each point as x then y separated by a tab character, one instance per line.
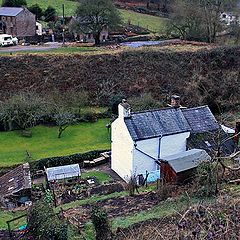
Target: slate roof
15	180
187	160
61	172
200	119
150	124
162	122
10	11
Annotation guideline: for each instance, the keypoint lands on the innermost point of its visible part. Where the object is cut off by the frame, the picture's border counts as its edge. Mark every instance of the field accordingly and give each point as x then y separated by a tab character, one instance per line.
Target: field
44	142
153	23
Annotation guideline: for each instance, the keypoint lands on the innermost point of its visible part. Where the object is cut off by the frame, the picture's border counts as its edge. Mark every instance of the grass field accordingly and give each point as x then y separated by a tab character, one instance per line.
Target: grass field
7	215
44	142
60	50
153	23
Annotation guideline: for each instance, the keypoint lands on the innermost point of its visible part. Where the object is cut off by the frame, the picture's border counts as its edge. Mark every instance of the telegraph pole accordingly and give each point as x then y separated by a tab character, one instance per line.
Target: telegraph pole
63	33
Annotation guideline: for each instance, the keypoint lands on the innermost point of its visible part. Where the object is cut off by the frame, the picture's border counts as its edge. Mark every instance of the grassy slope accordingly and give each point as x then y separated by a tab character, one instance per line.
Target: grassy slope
153	23
44	142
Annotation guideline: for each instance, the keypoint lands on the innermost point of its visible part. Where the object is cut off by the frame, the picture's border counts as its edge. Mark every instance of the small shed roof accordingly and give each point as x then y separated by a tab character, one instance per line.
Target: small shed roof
61	172
15	180
186	160
10	11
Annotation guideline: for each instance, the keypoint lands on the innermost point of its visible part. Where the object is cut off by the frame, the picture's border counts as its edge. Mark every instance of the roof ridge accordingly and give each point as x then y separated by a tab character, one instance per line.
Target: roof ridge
192	108
153	110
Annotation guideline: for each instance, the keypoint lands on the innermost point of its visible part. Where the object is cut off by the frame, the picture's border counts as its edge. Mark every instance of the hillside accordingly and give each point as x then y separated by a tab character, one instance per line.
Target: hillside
152	23
206	76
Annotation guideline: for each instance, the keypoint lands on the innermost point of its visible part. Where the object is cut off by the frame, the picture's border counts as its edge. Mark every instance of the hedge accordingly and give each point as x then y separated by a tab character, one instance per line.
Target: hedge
64	160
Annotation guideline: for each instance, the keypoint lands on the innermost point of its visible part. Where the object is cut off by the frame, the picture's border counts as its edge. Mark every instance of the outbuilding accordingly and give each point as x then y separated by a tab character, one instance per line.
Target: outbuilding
63	172
180	168
15	187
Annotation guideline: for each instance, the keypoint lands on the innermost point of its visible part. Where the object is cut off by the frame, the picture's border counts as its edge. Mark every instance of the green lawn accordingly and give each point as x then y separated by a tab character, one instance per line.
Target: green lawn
153	23
60	50
44	142
7	215
100	176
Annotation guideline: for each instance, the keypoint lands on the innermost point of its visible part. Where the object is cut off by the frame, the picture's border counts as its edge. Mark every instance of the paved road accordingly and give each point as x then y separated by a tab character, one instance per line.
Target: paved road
45	47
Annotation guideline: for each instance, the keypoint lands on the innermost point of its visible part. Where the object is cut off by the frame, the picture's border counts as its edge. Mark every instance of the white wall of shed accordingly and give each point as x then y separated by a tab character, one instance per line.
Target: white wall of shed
122	149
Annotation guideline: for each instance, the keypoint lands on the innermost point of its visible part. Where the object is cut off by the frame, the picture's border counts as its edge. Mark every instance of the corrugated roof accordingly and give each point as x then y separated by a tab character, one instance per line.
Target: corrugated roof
61	172
200	119
149	124
187	160
15	180
10	11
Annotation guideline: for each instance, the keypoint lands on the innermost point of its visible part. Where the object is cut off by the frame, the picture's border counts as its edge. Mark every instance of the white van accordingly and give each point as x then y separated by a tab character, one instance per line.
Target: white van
7	40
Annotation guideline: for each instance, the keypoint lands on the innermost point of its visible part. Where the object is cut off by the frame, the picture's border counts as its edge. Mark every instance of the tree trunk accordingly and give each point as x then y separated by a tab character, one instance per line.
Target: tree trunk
97	38
61	130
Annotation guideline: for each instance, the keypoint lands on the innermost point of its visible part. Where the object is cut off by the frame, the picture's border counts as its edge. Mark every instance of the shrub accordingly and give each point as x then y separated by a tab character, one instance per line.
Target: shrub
44	224
64	160
100	221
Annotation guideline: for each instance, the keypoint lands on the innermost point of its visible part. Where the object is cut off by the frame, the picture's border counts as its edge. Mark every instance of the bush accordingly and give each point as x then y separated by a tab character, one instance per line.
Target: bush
64	160
44	224
100	221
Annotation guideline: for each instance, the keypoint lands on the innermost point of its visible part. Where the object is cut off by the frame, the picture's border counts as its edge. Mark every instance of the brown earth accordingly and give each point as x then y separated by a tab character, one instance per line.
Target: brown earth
205	76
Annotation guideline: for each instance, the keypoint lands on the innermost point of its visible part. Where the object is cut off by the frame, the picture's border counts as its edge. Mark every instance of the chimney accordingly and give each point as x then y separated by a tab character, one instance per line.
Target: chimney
175	101
124	109
237	131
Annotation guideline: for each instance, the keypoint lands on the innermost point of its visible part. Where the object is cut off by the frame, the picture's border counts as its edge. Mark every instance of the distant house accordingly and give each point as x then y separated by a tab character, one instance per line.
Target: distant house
228	18
15	186
17	21
141	139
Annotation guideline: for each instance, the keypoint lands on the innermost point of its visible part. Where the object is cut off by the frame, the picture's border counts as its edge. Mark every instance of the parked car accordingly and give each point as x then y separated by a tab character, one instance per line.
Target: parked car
7	40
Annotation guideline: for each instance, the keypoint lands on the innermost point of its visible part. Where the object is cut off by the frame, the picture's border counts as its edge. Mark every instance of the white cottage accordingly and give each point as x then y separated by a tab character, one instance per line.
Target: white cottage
141	139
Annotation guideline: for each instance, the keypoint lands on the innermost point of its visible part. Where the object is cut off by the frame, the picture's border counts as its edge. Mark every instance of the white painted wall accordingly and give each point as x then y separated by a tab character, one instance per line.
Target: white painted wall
142	162
169	145
174	144
122	148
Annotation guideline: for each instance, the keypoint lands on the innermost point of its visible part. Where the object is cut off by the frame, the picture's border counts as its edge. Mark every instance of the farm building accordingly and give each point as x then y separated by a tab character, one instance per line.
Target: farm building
180	167
15	186
17	21
141	139
63	172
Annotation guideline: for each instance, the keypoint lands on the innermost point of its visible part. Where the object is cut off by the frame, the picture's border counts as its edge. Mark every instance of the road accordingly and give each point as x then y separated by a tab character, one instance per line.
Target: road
45	47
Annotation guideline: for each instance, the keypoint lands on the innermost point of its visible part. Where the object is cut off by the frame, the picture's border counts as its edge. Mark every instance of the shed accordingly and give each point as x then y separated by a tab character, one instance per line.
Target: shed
14	185
63	172
180	167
